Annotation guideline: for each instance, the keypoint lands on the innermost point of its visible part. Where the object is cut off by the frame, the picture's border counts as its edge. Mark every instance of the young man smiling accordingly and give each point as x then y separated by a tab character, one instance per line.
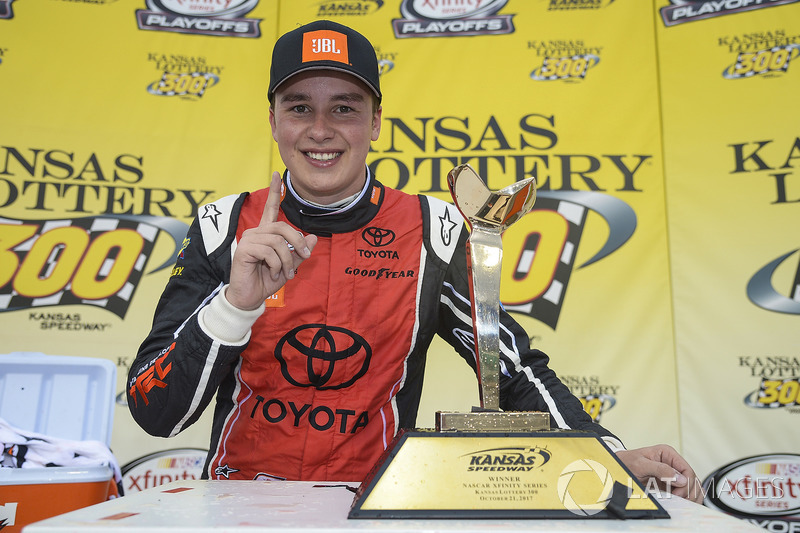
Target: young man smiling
313	343
323	126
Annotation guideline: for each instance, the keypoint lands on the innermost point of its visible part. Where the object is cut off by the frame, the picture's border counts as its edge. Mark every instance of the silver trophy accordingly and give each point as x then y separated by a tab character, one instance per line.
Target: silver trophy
489	214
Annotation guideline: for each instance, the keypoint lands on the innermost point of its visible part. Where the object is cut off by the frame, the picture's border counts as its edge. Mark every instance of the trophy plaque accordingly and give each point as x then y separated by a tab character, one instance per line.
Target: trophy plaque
490	463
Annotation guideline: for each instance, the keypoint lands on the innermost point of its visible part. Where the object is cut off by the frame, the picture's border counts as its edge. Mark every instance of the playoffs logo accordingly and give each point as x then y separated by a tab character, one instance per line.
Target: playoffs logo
688	10
445	18
200	17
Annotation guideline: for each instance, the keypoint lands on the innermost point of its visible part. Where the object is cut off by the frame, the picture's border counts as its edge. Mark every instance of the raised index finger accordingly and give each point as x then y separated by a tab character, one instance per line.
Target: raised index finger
273	204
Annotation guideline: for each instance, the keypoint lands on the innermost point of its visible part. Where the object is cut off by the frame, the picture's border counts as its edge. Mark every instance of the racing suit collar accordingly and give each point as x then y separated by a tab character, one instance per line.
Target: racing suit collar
326	221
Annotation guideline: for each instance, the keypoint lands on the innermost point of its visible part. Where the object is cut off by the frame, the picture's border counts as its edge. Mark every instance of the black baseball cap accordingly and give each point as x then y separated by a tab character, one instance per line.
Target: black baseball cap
326	45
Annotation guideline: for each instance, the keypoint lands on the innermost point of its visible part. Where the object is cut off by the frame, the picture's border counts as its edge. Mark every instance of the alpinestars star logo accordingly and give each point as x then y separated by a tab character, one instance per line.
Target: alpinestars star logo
212	213
447	227
225	471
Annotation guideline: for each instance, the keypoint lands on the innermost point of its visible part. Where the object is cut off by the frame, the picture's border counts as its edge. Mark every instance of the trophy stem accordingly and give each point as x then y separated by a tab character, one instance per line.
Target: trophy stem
486	257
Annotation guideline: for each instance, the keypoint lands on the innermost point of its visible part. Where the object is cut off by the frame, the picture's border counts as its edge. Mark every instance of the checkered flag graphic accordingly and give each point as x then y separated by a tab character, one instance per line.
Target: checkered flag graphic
547	307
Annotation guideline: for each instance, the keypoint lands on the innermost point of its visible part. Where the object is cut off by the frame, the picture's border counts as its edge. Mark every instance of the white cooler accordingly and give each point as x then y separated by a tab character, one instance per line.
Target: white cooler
62	397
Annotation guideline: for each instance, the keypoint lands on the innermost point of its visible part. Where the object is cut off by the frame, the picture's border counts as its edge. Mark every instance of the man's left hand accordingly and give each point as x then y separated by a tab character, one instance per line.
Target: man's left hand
664	466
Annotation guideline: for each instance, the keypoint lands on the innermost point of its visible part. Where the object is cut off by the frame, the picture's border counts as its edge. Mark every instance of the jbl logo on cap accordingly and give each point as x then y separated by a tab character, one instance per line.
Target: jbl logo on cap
325	45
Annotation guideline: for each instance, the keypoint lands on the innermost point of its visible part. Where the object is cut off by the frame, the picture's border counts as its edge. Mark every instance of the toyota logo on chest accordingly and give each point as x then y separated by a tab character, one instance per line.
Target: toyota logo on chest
378	237
321	356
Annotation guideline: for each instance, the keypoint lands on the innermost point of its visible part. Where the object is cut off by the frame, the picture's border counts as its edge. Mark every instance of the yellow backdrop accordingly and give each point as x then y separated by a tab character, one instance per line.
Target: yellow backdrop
659	268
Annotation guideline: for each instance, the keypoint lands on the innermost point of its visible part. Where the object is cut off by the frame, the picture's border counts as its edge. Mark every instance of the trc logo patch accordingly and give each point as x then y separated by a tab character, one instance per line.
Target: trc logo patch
321	356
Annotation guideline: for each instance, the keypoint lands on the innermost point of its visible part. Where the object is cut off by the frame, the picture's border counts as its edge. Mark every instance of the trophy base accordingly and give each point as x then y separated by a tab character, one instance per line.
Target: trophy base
492	421
482	475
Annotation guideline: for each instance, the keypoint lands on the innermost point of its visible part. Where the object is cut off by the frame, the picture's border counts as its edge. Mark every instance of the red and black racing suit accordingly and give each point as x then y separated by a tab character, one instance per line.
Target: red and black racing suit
333	367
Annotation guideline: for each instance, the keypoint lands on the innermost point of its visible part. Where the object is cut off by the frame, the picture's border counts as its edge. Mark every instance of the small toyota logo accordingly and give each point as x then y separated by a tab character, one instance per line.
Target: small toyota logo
377	236
321	356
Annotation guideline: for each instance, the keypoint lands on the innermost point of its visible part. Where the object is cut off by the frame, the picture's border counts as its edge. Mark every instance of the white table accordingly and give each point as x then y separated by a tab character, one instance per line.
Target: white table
304	507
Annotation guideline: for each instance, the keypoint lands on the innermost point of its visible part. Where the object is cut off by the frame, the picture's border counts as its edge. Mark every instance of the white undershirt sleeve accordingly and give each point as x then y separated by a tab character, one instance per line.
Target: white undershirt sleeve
226	323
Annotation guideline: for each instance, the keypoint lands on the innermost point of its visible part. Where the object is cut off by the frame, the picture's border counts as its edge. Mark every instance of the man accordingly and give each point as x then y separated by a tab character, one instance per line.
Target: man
313	343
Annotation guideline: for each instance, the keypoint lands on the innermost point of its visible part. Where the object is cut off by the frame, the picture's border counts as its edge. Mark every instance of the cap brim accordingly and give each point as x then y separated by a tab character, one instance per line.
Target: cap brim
325	67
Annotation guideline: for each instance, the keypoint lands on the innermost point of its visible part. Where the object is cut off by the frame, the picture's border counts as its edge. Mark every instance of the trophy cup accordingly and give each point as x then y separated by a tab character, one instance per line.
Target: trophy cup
490	463
489	214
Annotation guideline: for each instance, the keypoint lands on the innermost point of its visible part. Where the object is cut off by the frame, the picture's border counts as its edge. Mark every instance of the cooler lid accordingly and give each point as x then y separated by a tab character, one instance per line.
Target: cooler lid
57	395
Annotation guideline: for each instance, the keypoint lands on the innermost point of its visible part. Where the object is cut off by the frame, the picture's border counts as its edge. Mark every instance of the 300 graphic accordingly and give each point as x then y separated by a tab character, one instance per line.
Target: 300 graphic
92	260
65	255
775	393
763	62
184	84
568	67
